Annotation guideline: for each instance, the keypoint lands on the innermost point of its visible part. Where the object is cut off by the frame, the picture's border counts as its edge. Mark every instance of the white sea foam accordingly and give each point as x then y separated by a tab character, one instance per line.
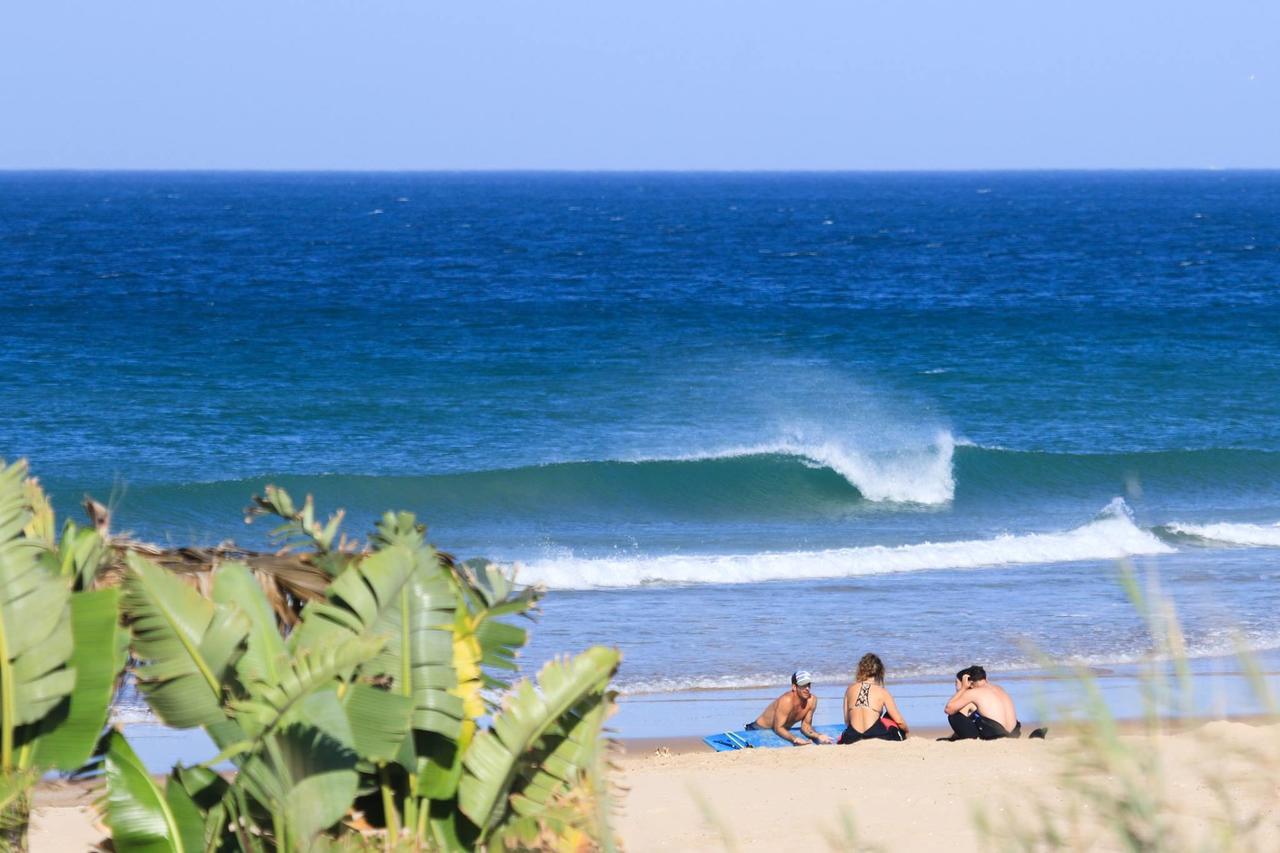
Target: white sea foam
1225	645
1254	535
1111	536
920	474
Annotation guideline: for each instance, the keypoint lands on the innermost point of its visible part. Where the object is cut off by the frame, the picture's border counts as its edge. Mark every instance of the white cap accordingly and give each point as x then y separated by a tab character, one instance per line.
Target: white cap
801	677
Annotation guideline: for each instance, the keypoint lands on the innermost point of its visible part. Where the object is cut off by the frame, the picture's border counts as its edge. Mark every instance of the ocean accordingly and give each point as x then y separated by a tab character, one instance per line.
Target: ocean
738	424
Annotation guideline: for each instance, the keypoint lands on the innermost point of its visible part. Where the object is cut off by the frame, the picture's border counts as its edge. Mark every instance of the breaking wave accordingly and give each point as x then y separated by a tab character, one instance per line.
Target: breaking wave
1111	535
1224	533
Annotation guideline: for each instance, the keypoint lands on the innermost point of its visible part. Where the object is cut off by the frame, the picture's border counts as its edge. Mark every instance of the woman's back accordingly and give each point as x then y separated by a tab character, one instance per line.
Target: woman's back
864	702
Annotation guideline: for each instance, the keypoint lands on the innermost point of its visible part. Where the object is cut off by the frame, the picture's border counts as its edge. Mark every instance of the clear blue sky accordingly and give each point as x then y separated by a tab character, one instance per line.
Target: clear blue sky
595	84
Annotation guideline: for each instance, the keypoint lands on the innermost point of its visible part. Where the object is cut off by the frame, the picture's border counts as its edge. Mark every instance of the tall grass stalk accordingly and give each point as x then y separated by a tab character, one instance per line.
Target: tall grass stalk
1142	790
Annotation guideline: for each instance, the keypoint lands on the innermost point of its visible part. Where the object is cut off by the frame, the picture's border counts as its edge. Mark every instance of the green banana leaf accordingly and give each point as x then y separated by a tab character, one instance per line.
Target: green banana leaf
379	720
419	659
357	599
271	706
398	528
496	757
65	738
185	643
306	778
206	791
136	810
264	657
299	762
41	526
35	621
491	595
187	817
300	529
570	749
82	553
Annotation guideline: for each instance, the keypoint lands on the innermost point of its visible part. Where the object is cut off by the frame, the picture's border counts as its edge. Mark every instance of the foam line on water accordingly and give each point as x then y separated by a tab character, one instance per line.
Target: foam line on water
1252	535
1110	536
1208	647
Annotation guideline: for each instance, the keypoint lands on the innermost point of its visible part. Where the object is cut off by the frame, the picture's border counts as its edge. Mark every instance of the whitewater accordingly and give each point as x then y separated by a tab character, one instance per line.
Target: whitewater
1112	536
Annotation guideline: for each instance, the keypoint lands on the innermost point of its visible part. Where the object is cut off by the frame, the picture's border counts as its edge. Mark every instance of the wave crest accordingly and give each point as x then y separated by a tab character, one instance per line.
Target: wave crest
1111	536
1247	535
920	475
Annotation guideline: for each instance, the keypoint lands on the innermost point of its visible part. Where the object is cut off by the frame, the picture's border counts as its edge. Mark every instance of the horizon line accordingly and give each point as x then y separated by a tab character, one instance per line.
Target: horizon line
628	171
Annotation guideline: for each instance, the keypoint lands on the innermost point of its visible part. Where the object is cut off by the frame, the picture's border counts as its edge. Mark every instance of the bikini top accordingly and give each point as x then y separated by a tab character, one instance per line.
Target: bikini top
864	695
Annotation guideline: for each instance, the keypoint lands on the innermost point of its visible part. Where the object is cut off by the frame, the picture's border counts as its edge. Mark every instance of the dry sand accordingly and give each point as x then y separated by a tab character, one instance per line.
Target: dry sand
920	794
63	817
917	795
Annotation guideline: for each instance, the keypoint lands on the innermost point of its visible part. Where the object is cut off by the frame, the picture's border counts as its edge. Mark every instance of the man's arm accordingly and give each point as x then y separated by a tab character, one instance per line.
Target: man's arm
806	725
958	701
782	710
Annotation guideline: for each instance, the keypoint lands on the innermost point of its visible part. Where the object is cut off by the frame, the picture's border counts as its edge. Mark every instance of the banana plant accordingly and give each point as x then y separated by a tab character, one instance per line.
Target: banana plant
291	719
371	705
61	647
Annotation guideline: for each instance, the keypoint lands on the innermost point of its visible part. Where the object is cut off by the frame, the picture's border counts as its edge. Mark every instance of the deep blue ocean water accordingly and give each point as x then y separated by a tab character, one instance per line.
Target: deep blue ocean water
739	424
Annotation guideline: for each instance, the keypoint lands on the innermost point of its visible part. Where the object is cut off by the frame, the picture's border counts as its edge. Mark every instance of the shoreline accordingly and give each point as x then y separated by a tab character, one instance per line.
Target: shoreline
679	720
1224	690
675	794
632	749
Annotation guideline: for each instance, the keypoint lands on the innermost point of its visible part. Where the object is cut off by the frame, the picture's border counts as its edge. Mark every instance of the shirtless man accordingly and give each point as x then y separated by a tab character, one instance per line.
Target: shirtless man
796	705
981	709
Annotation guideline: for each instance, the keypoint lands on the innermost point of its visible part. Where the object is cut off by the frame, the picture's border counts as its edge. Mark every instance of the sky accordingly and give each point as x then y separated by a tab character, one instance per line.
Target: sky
597	84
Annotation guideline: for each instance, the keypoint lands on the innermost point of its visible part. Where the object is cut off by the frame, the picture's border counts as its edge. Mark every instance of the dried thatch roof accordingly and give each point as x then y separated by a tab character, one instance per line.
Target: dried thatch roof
289	578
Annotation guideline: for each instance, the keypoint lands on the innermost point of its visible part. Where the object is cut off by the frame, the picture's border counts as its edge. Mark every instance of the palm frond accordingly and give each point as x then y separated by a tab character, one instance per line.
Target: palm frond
35	620
65	738
185	644
494	761
135	808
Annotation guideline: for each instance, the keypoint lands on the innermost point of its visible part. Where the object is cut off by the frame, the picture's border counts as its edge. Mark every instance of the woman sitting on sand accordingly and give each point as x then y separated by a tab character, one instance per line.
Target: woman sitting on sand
869	709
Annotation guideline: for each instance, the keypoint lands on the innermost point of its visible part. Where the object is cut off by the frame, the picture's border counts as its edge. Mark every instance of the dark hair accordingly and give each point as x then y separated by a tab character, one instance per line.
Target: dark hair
976	673
871	668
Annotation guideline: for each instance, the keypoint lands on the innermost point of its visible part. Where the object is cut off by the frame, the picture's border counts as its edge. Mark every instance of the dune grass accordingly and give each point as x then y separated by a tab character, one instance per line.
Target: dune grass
1138	787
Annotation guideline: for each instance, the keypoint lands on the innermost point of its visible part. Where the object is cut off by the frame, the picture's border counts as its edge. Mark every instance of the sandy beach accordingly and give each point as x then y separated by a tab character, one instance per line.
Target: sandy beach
923	795
917	795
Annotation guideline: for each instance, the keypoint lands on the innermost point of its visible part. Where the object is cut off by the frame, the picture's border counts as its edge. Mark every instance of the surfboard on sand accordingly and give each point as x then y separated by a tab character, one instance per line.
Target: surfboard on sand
761	738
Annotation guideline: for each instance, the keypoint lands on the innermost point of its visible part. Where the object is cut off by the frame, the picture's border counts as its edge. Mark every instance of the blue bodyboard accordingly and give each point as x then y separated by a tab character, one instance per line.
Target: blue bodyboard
761	738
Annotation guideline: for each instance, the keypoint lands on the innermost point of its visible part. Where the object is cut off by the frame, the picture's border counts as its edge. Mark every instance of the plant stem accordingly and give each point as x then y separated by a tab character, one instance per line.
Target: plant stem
411	810
8	707
278	829
390	815
424	811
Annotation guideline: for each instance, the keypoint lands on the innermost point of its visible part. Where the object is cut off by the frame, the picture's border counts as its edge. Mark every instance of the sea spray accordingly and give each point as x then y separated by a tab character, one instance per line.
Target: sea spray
920	474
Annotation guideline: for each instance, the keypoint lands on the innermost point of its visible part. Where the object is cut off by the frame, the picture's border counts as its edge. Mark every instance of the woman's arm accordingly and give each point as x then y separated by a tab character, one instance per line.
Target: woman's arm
894	714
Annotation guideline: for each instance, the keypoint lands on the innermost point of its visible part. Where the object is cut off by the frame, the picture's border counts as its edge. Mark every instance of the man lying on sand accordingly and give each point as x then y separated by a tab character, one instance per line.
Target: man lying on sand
981	709
797	704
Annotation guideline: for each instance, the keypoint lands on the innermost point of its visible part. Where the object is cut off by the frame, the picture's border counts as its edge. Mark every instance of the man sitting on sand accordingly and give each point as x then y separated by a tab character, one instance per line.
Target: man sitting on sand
796	705
981	709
